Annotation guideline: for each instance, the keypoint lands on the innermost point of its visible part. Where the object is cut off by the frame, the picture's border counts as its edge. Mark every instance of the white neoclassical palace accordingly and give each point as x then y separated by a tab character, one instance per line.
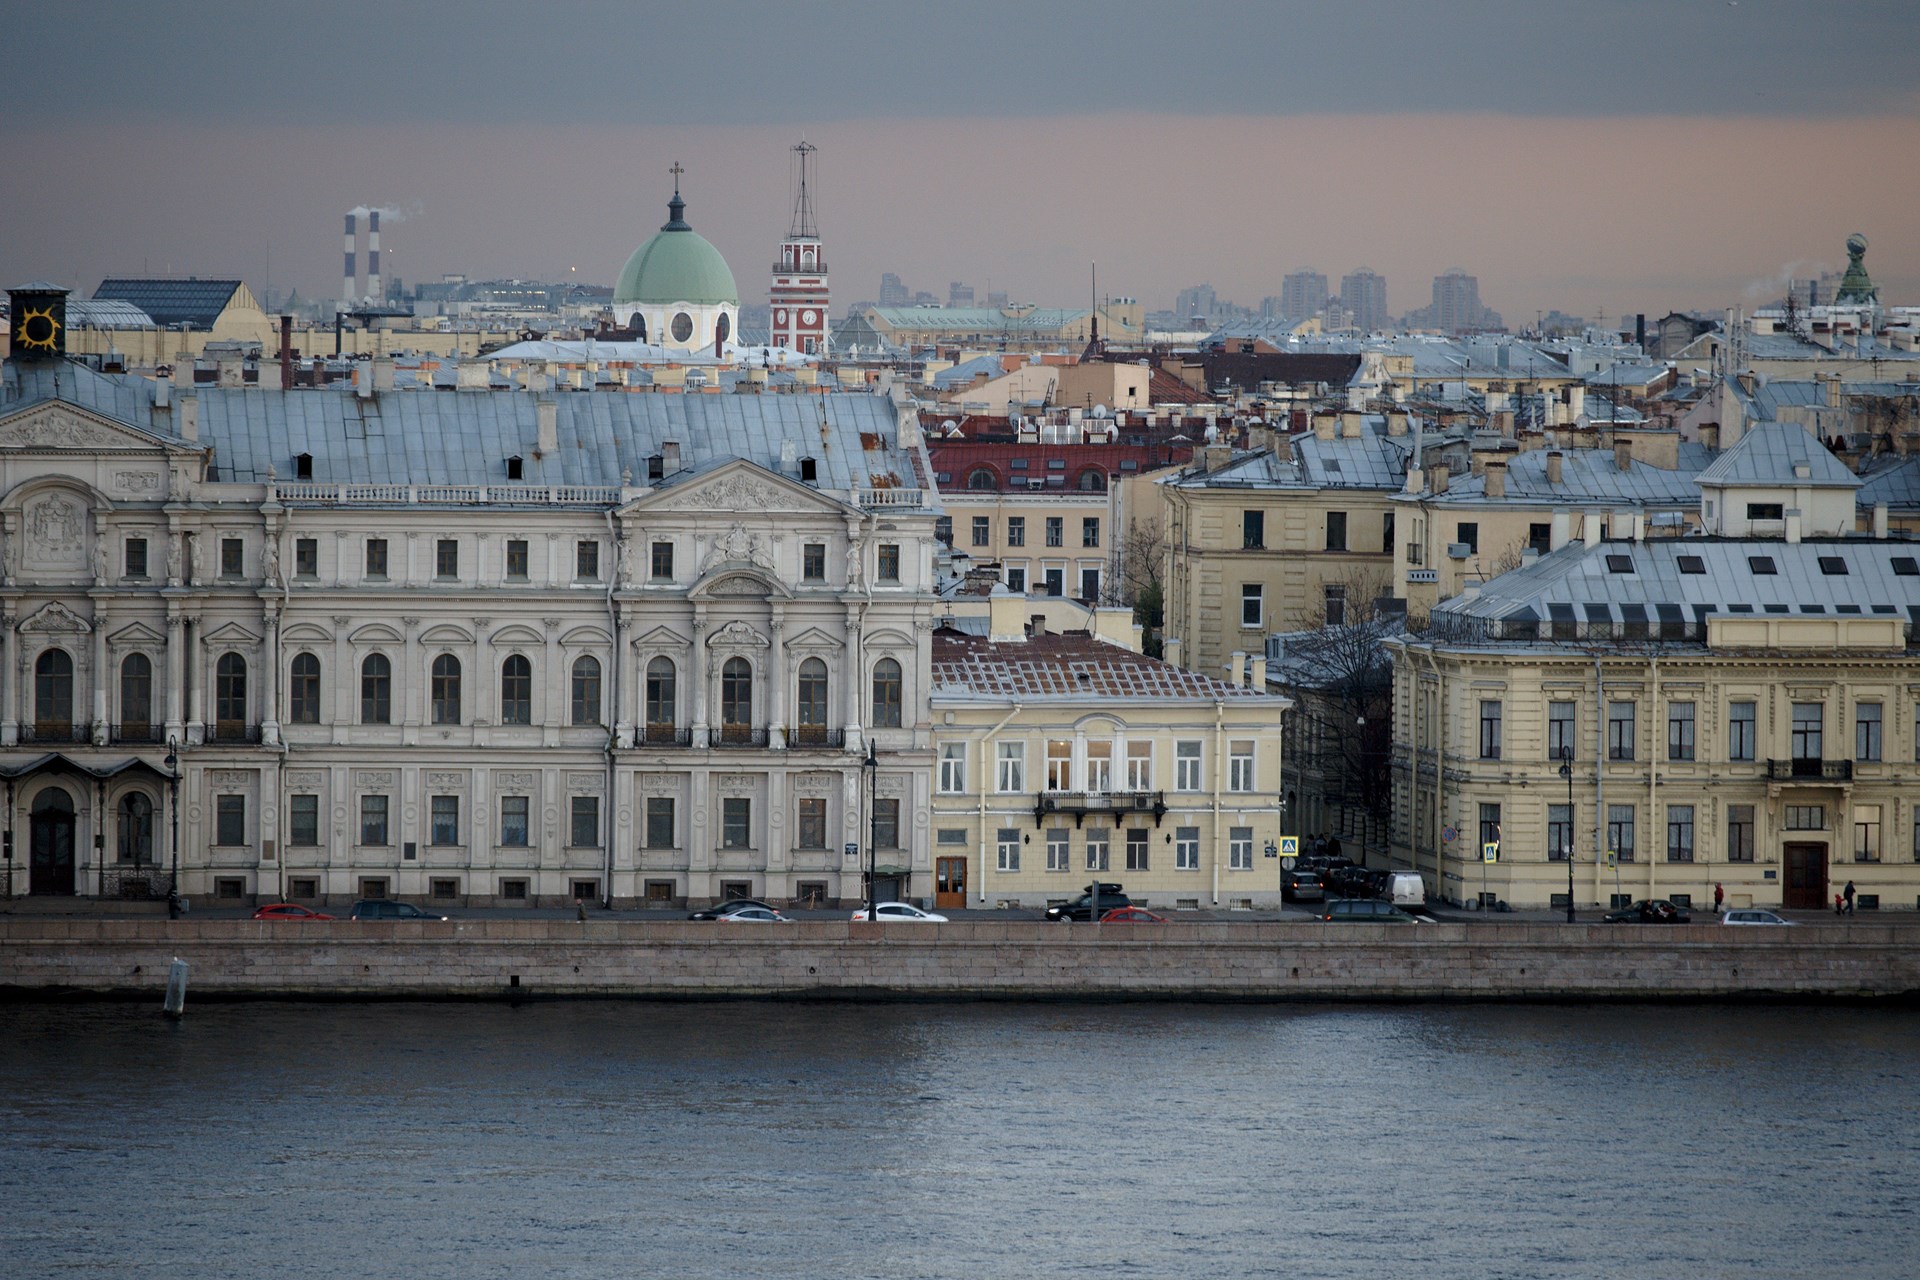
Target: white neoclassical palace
471	646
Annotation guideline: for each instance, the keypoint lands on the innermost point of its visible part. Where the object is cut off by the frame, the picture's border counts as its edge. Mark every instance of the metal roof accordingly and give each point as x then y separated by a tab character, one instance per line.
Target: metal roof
978	319
194	303
1371	460
1772	454
1586	476
1897	485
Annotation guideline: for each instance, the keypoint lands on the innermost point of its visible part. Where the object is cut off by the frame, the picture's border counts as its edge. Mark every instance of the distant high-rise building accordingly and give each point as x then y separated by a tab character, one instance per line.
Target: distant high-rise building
1196	300
1456	306
997	298
959	295
892	292
1364	295
797	302
1303	293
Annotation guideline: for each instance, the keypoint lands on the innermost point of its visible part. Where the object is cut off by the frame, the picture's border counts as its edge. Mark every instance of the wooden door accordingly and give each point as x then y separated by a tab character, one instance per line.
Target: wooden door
1806	886
52	840
949	882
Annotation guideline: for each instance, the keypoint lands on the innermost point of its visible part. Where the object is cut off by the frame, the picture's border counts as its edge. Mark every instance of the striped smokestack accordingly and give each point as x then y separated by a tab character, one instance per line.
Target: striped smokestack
373	255
346	289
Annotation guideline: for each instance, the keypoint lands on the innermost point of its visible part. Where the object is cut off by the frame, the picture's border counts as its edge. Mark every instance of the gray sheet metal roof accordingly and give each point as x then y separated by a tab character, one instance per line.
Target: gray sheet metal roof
196	303
977	319
125	399
1587	476
1373	460
1897	485
1769	453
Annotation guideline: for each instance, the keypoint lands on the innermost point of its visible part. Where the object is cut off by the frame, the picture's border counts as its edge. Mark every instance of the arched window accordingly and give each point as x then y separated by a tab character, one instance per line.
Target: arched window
1093	480
638	323
736	700
586	690
136	829
53	693
376	690
982	478
886	694
516	691
303	697
810	708
446	689
136	696
723	328
660	698
230	696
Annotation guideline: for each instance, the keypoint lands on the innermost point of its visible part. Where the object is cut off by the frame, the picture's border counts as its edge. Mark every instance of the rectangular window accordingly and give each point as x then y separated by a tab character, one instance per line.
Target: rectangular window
1540	537
1766	510
1333	605
1386	533
446	820
1252	604
1099	767
1620	831
1139	766
1679	833
1240	765
953	768
376	557
1740	730
1336	531
1090	531
446	558
1053	582
660	562
586	562
813	562
1099	849
736	823
1056	531
517	559
1490	824
1059	765
660	832
1186	766
1679	731
1059	851
1090	585
1239	848
232	564
136	558
513	821
1561	734
1016	578
1866	833
1253	530
1809	722
888	569
373	820
1186	849
1139	848
1467	534
982	530
1016	531
886	824
810	826
1866	731
1010	773
1806	817
1739	833
306	557
1007	849
1559	832
303	820
230	820
1620	734
583	830
1489	729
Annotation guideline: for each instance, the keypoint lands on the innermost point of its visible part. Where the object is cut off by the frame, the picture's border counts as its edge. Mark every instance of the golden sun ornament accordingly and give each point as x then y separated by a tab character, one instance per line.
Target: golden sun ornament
37	330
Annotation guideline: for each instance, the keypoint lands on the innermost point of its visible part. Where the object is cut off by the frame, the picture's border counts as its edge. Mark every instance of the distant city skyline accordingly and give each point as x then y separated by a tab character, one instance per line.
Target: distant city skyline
1596	171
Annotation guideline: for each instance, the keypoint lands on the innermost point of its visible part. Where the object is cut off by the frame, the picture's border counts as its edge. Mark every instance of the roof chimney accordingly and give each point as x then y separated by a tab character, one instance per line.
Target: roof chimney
286	353
1350	424
1623	454
1282	445
1556	466
1560	531
1880	520
1439	475
1496	477
1323	426
547	414
669	456
1793	524
1590	528
1237	667
383	373
1037	626
1257	673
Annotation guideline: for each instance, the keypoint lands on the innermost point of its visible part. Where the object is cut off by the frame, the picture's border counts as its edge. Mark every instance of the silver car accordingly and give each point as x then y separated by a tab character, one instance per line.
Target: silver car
1752	915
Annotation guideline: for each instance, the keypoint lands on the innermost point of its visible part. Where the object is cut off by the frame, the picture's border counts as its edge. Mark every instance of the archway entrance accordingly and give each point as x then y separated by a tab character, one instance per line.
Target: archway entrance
52	843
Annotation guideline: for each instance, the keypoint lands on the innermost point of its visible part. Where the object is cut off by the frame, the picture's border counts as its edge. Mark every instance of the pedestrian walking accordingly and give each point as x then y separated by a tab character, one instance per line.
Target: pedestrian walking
1719	896
1847	893
1836	904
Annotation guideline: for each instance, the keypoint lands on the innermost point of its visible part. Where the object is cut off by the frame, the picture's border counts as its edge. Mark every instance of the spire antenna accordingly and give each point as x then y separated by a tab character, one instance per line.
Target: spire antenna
803	225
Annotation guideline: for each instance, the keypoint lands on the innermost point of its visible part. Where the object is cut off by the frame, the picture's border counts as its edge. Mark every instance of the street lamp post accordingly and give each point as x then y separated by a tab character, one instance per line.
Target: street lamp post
173	806
1566	771
872	766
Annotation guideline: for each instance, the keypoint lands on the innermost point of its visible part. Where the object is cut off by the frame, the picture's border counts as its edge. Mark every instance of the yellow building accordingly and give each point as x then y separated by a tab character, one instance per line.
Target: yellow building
1062	758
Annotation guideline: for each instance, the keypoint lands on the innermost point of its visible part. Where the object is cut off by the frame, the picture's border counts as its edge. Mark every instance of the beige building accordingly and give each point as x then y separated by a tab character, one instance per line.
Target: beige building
1061	758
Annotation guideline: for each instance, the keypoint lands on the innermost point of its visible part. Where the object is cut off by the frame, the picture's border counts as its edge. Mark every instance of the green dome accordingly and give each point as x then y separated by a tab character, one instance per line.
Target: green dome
677	265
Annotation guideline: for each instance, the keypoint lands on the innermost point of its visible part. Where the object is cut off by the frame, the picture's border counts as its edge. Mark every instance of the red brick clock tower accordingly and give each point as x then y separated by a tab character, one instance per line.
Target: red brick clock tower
798	298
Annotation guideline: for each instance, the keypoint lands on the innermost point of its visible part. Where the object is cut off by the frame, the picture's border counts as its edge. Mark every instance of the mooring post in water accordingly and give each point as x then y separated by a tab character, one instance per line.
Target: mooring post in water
176	988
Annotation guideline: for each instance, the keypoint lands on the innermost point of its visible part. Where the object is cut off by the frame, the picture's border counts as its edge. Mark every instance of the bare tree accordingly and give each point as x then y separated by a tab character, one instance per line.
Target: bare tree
1138	578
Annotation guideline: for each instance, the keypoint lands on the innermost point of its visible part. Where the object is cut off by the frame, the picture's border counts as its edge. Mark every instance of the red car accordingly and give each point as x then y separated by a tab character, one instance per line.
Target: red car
289	911
1131	915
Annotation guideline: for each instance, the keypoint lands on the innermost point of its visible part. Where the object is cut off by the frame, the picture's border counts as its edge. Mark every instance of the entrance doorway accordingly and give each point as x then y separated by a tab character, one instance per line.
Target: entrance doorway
949	882
1806	887
52	841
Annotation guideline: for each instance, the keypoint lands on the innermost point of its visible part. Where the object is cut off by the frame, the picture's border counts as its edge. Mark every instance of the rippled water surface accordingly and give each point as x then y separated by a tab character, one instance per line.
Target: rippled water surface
631	1139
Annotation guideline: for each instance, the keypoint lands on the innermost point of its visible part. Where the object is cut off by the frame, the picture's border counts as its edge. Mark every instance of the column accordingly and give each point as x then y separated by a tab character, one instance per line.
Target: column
697	675
10	679
270	683
850	684
100	725
195	666
176	673
411	680
777	682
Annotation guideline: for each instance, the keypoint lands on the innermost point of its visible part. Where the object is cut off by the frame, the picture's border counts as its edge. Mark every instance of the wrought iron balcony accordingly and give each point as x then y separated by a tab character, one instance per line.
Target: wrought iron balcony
739	735
1082	803
816	735
56	731
665	735
229	731
139	733
1813	770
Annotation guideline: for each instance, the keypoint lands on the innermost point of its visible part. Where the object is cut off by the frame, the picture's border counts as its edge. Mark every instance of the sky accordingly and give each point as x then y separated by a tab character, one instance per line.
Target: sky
1605	157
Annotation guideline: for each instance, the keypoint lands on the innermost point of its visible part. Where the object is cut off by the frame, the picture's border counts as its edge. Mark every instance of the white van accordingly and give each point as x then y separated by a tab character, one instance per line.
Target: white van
1405	889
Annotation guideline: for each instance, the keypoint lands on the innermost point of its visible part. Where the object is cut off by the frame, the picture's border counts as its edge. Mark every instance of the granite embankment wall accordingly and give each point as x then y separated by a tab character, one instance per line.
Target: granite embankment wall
497	959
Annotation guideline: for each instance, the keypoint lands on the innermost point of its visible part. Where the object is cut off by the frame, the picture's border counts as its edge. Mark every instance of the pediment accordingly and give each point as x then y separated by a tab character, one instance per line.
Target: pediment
306	633
58	427
586	636
57	619
136	633
814	639
231	633
446	633
516	634
739	580
739	487
375	633
738	635
661	638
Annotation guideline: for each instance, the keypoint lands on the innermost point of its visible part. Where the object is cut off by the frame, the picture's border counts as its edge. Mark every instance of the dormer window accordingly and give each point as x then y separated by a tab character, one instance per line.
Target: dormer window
303	466
809	470
656	468
516	468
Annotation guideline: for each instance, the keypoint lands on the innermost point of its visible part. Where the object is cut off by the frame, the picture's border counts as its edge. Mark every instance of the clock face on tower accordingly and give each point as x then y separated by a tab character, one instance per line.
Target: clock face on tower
808	317
780	315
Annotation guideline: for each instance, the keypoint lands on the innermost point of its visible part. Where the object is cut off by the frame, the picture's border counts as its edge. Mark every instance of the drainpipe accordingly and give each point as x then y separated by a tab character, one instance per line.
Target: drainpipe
612	709
1219	773
1600	760
1653	778
986	761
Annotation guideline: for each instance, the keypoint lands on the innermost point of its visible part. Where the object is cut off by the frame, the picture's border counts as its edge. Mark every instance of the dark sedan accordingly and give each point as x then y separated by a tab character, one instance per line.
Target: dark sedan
1302	886
1648	911
728	907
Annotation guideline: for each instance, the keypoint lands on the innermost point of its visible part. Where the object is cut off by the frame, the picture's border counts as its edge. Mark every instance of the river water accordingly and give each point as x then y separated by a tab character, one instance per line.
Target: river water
613	1139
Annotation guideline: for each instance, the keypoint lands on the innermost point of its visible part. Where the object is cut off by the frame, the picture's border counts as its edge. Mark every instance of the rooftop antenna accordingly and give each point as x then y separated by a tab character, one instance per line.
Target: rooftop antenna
803	225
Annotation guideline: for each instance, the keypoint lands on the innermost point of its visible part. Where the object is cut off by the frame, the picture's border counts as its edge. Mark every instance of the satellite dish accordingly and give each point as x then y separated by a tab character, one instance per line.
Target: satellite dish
1100	411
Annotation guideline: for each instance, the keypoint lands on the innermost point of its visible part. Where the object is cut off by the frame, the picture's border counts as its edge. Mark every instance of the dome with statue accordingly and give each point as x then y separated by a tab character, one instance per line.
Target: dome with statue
676	290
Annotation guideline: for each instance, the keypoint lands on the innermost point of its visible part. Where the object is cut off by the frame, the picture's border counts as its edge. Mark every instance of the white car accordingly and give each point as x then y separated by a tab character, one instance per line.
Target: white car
1752	915
900	911
754	915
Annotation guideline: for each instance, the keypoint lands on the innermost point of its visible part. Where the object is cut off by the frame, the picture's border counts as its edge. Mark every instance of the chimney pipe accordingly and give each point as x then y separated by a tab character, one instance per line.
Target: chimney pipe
286	353
373	256
346	289
669	456
1793	524
1556	466
1037	626
1439	476
1237	667
1880	520
1561	531
1590	528
1496	479
547	413
1623	454
1257	673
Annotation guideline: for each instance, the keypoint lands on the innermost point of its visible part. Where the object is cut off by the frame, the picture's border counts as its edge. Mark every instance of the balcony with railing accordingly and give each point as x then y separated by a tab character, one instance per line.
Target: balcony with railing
739	735
231	732
816	735
1809	770
139	734
665	735
460	495
56	731
909	499
1081	803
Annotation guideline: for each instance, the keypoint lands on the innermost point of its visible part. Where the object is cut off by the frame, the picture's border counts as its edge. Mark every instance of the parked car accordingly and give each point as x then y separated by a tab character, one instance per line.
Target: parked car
289	911
1648	911
389	909
1753	915
727	907
1131	915
1364	911
1081	908
890	911
1404	889
1302	886
753	915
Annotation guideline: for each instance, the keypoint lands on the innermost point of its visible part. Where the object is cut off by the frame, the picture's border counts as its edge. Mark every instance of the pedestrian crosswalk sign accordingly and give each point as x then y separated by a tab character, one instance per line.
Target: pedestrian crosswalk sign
1289	846
1490	851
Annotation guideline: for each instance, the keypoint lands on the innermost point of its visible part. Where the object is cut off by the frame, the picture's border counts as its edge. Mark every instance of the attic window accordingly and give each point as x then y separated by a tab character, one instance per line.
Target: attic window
656	468
1692	564
1619	564
1846	608
1886	608
1056	464
1017	464
1813	608
1332	465
1739	608
1776	608
1761	564
809	470
515	469
1128	464
943	477
1906	566
1834	566
303	466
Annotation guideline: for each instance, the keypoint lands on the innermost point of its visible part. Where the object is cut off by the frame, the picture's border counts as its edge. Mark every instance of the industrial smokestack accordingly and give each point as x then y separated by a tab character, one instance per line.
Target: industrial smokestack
373	255
346	289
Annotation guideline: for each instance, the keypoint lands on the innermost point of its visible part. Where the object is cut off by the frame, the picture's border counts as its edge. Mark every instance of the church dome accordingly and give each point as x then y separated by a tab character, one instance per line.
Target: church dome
677	265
